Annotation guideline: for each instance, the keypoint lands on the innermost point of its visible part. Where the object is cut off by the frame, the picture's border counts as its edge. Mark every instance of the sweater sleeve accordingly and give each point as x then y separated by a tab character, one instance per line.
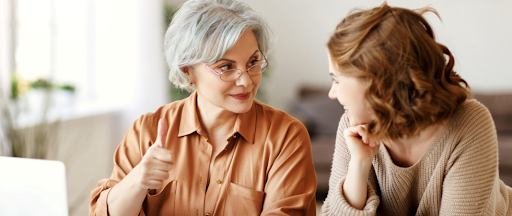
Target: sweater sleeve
335	203
471	185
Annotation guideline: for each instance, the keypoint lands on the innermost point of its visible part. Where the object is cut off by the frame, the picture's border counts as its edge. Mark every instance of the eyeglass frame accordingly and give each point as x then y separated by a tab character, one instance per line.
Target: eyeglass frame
240	71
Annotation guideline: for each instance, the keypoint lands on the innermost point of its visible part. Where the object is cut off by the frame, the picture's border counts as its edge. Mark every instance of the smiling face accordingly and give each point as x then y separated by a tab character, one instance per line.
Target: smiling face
349	91
234	96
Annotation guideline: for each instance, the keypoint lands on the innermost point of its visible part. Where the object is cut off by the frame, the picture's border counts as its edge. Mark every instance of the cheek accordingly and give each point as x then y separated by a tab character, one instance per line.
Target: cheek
256	79
255	82
211	85
362	115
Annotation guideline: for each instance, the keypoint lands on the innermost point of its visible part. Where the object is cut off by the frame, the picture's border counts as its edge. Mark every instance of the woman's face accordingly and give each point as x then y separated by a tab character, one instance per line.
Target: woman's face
235	96
350	93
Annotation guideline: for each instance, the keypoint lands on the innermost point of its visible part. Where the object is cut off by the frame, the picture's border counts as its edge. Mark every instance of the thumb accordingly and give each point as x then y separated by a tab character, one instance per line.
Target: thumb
162	133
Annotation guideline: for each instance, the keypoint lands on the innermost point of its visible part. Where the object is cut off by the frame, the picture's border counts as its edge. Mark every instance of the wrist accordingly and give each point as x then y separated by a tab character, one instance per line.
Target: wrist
354	187
359	168
363	164
133	181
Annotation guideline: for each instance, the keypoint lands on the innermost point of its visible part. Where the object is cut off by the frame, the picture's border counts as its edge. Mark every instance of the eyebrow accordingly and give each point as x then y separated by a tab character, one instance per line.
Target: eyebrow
229	60
332	74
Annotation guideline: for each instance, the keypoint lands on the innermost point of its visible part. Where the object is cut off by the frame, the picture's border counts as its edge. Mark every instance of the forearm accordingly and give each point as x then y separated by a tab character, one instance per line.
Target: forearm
126	197
355	185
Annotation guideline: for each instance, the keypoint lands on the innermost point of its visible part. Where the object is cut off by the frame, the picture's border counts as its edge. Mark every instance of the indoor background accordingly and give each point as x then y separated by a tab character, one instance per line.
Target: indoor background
110	53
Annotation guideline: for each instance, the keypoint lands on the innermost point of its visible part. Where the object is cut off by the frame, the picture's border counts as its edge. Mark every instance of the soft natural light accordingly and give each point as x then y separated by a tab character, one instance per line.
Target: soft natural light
33	51
52	41
71	46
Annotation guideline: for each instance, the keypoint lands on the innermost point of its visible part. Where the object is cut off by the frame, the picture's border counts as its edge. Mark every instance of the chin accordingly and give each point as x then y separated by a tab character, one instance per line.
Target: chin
354	122
243	107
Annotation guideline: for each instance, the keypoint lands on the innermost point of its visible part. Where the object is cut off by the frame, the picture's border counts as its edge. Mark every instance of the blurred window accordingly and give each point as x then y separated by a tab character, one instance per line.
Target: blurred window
54	39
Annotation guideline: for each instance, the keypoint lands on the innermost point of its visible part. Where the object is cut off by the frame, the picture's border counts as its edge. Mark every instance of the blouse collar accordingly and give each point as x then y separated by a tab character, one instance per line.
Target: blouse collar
245	123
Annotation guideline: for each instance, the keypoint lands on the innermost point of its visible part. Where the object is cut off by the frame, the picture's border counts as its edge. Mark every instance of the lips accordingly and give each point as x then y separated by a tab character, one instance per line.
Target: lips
242	96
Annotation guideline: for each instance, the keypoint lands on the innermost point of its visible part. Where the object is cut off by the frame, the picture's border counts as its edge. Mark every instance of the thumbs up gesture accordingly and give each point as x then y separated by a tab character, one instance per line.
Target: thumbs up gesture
157	162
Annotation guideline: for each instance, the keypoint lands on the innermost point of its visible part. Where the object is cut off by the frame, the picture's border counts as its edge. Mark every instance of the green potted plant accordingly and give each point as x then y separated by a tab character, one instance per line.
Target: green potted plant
27	132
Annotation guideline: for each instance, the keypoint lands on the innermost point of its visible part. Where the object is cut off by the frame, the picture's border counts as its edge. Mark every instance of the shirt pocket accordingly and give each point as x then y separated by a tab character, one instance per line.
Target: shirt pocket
243	201
162	203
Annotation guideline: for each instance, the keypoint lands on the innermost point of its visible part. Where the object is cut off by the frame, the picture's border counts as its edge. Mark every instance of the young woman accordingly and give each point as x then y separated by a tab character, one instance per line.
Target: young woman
410	141
218	152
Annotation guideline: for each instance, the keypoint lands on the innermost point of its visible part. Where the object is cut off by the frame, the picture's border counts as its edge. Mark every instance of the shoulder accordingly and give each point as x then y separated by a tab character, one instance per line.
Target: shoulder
168	111
472	127
473	114
473	107
275	116
275	124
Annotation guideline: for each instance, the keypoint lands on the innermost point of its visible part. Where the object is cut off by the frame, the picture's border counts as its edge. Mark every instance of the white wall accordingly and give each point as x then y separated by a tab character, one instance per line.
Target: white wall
129	63
5	46
479	34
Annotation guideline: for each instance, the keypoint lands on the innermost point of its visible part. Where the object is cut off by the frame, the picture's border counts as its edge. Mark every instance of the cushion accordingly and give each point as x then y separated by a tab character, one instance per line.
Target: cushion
319	114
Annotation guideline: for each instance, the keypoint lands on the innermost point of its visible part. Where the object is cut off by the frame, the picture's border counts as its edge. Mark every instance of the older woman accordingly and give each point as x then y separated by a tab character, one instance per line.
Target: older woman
219	151
410	141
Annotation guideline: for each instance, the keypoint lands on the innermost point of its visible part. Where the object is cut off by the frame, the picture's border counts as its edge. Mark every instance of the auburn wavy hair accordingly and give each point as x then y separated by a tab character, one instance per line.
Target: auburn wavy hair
410	77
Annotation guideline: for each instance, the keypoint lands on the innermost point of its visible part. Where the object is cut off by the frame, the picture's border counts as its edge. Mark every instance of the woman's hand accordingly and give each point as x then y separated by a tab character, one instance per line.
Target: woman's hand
154	168
361	149
362	153
127	196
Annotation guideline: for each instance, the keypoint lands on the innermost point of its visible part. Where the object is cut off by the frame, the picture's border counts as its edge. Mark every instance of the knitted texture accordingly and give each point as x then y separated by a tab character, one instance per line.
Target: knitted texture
457	175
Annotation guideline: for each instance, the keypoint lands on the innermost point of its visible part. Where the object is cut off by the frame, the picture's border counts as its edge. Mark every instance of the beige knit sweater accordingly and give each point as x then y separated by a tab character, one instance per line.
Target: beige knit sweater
457	175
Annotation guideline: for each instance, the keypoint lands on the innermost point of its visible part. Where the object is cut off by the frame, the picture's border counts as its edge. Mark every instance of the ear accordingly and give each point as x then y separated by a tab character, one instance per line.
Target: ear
187	70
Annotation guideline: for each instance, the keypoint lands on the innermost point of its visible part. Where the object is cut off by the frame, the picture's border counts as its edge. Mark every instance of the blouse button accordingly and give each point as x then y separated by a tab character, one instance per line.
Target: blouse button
218	181
234	136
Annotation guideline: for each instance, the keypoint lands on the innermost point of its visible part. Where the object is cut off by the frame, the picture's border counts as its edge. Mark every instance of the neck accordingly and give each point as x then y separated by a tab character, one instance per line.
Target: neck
213	119
407	151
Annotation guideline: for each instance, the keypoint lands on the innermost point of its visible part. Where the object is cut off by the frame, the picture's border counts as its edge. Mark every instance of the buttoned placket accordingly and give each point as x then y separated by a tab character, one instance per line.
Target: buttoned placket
204	156
218	181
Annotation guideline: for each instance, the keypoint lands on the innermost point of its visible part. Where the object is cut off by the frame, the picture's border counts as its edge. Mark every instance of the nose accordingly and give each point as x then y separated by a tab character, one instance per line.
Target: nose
332	92
244	80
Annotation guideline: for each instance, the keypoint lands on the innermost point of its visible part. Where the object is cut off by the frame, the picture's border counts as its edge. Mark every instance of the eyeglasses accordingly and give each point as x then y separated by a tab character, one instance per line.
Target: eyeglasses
256	66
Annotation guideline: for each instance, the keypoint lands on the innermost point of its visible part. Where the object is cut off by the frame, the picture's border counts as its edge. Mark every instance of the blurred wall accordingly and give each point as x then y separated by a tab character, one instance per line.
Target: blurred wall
129	63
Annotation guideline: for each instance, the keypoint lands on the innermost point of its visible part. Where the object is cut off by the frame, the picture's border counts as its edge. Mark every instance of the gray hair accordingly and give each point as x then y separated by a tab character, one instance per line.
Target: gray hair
203	30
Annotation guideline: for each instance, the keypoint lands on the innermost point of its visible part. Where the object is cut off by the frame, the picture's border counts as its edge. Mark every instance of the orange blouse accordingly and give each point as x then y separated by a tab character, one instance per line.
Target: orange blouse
266	167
